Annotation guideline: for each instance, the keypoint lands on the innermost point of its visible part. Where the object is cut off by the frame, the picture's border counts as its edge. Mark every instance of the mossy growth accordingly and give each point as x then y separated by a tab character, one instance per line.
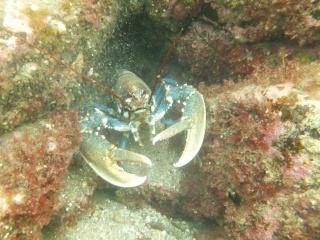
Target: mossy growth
46	36
67	6
37	18
287	105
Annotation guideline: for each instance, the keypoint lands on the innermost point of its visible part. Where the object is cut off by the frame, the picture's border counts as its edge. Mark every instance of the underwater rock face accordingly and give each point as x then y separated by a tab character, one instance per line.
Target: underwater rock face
233	38
260	169
33	162
32	84
252	21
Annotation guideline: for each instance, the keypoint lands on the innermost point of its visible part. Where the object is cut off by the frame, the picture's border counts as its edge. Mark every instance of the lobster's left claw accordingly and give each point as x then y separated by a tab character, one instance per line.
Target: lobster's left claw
193	122
102	156
195	113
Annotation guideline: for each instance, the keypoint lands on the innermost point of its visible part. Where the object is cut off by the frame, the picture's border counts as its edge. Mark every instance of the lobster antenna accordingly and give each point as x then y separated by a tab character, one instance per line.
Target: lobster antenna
164	63
67	66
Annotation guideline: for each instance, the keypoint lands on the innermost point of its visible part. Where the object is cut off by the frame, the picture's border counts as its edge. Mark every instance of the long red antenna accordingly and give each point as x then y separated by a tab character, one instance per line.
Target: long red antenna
67	66
164	63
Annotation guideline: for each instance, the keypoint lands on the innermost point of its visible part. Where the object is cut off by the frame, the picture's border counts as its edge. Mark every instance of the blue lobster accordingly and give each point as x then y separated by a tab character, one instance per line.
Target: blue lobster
136	114
140	119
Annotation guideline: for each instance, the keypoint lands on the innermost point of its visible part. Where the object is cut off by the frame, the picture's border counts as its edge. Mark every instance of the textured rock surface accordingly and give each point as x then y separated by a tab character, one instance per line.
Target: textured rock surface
261	163
232	38
33	162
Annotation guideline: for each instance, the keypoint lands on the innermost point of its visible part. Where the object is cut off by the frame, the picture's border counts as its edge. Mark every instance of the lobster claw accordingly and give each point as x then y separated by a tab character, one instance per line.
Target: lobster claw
193	122
103	158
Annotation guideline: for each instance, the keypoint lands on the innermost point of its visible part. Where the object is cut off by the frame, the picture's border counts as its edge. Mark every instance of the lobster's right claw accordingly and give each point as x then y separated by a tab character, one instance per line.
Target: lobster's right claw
102	156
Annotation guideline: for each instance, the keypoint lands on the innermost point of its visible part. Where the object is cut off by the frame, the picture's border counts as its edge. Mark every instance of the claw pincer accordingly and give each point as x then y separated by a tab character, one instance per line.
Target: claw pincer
193	118
140	119
103	157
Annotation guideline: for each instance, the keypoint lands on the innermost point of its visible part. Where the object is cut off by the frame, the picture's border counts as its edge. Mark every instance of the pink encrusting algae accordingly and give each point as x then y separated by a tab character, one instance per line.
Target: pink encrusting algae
34	160
260	160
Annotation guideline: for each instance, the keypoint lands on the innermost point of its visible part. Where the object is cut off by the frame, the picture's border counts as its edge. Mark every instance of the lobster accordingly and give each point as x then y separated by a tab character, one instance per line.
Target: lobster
137	110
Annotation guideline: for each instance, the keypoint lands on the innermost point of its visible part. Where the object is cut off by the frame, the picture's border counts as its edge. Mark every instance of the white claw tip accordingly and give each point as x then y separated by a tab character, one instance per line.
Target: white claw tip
155	139
181	164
